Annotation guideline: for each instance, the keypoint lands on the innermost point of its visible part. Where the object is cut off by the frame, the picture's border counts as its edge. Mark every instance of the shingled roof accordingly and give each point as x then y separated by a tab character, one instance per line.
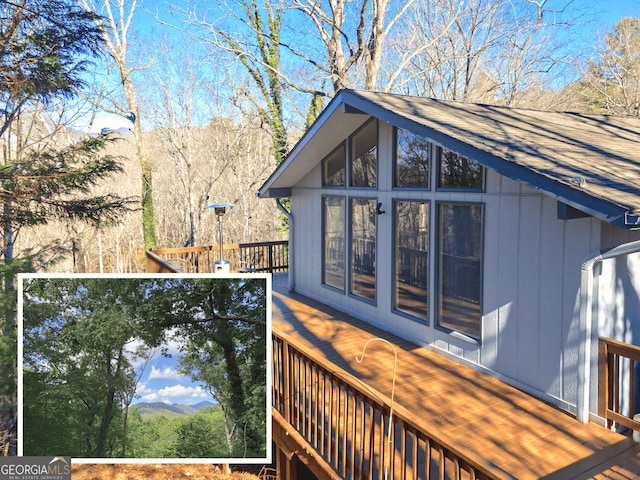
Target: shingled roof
591	162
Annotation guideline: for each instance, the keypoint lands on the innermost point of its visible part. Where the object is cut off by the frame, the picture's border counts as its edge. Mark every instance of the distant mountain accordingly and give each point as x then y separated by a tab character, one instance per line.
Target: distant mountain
150	410
201	405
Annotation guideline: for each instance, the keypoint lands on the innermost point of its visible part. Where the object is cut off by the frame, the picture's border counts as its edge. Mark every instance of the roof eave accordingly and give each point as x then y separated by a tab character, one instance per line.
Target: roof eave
322	119
276	193
350	102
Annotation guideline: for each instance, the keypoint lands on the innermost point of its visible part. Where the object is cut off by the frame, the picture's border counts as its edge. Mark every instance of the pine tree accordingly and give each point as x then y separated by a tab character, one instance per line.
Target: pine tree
46	172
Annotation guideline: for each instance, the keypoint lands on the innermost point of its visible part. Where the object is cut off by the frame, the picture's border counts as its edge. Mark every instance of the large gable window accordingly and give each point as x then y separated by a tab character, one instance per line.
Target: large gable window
436	228
411	222
334	168
456	171
364	156
459	257
363	247
333	253
412	160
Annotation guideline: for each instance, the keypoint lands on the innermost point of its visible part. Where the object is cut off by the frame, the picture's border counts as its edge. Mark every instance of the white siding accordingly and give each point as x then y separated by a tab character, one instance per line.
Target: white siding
616	298
531	279
531	282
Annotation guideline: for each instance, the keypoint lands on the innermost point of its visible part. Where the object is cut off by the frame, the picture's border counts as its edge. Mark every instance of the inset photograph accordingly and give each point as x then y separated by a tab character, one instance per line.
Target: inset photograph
142	367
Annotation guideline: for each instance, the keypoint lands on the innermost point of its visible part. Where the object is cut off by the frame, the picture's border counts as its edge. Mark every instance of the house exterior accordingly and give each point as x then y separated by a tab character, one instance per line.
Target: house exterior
506	239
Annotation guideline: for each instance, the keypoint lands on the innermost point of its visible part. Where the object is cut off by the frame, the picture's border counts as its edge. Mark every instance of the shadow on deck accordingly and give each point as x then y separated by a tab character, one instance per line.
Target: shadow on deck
515	434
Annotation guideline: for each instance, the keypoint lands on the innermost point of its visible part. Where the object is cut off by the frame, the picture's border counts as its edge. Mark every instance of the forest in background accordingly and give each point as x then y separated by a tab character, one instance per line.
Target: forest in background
88	341
214	95
199	435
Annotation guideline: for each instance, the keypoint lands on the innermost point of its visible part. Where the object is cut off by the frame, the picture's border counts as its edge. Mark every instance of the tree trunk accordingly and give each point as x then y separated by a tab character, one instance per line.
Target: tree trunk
146	196
104	424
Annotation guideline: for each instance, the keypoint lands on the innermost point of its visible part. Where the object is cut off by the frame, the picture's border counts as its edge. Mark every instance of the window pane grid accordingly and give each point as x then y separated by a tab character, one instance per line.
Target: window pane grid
333	273
364	163
456	171
334	168
460	267
363	247
412	160
411	220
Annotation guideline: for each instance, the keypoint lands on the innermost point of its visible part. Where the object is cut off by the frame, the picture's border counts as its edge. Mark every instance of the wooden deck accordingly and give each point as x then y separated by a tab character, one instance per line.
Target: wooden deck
523	438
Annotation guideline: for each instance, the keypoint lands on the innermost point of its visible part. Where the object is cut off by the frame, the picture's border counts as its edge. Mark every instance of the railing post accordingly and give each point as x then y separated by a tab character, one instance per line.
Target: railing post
286	382
614	358
603	379
270	254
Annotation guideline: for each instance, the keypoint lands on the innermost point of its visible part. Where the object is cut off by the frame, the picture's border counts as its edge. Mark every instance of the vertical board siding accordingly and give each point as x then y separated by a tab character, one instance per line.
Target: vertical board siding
506	256
531	277
550	300
527	314
578	243
617	296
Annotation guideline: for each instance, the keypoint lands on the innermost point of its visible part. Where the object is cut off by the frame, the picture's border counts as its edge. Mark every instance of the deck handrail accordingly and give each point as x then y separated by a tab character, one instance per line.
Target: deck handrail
155	264
268	257
616	360
345	423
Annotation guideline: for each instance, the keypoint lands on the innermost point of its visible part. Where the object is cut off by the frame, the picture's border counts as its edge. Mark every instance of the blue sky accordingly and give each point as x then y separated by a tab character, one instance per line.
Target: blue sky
610	11
599	16
591	20
161	381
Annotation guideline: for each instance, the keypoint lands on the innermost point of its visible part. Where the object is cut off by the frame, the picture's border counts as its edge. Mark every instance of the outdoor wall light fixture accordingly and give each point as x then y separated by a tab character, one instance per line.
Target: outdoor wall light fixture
379	210
221	265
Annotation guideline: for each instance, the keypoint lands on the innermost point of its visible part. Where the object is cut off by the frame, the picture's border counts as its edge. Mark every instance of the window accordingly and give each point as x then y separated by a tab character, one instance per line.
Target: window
333	168
363	247
411	221
437	246
455	171
364	156
333	216
460	231
412	160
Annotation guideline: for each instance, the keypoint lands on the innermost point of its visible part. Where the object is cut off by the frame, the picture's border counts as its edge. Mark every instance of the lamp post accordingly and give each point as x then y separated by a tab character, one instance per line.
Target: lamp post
222	265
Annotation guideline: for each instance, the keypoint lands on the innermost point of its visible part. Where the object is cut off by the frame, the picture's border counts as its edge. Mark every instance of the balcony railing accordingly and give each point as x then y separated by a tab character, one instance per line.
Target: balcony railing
243	257
346	424
619	383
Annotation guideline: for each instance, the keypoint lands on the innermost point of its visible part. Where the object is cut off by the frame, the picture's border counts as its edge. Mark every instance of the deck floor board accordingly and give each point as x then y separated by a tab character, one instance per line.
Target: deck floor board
519	434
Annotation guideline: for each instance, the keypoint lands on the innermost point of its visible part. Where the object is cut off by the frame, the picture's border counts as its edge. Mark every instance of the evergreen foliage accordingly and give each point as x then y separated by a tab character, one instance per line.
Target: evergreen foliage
78	365
611	82
45	47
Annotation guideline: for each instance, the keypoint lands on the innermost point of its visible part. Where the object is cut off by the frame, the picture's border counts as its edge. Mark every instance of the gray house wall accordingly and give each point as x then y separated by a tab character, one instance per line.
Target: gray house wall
616	304
531	280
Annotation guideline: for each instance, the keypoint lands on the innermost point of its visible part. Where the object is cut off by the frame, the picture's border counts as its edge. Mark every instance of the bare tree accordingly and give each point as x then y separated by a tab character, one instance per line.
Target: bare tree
223	161
249	30
354	35
179	89
260	33
119	15
611	82
480	50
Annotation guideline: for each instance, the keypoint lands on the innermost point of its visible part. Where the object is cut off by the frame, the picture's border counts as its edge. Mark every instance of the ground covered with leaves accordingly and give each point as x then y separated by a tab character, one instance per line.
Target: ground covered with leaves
168	472
8	435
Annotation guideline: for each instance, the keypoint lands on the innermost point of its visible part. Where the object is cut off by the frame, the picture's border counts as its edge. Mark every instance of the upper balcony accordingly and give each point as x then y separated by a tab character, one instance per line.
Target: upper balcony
352	401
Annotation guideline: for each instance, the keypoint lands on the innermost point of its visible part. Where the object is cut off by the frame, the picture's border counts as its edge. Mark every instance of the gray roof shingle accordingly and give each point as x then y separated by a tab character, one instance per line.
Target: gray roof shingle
591	162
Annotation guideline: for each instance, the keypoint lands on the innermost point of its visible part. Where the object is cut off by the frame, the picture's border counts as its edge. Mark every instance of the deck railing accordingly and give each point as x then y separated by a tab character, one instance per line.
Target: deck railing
346	424
619	383
243	257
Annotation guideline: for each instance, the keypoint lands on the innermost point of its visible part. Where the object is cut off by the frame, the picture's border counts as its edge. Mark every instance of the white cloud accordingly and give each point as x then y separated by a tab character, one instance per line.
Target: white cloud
166	372
175	394
173	343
